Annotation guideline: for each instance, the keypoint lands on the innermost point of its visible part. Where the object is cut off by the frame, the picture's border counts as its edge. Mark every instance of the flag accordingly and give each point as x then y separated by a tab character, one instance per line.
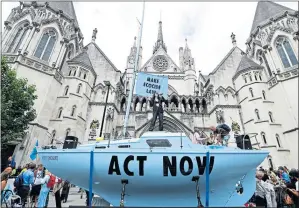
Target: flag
33	154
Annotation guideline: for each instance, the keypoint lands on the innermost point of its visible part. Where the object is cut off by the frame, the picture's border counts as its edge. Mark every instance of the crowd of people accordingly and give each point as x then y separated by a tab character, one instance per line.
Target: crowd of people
33	184
276	188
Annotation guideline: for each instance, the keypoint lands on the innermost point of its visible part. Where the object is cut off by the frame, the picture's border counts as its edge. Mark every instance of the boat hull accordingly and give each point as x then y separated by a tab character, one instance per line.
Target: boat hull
154	187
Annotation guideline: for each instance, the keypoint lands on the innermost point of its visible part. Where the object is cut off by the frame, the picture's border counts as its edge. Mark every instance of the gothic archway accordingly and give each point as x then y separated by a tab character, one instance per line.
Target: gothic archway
169	124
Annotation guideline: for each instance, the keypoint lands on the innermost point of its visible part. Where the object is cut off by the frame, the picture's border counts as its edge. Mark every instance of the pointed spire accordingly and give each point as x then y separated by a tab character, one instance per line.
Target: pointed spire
160	42
160	34
233	37
186	45
266	10
94	35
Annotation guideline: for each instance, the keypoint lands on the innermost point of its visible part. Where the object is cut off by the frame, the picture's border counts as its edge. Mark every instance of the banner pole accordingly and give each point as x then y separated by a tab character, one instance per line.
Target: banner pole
90	179
207	178
134	74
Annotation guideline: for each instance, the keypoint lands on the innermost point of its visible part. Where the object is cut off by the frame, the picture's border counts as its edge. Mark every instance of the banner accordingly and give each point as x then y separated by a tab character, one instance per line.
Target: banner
147	85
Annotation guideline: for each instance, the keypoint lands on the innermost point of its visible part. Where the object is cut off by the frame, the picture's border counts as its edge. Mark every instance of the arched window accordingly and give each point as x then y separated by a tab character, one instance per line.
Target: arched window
263	135
250	77
255	77
66	90
80	73
74	74
53	136
67	132
278	140
251	92
70	73
59	113
84	76
257	114
264	95
46	45
260	77
270	116
245	79
73	110
286	52
79	88
18	38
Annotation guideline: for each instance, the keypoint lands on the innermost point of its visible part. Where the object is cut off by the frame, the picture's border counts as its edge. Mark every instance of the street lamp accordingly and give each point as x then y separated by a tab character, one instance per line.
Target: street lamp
107	83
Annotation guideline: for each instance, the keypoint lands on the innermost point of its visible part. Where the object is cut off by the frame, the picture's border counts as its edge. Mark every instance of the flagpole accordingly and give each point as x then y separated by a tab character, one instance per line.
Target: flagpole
134	74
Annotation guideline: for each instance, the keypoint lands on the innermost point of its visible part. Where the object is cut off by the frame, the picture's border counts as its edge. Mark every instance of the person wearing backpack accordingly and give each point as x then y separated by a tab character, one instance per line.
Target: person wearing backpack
47	183
26	184
222	132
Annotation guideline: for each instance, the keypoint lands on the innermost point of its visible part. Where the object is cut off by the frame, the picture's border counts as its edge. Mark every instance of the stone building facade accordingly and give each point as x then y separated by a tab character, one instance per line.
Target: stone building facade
256	88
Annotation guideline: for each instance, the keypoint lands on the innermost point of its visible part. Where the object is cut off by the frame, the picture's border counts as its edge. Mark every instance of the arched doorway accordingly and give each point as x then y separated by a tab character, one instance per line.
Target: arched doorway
169	125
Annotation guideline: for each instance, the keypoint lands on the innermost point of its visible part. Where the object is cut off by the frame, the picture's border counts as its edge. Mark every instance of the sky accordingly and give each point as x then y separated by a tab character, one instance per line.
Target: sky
207	27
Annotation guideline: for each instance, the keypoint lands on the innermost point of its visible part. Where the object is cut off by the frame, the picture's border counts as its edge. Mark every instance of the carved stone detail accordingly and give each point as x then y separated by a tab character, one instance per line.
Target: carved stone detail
220	116
110	113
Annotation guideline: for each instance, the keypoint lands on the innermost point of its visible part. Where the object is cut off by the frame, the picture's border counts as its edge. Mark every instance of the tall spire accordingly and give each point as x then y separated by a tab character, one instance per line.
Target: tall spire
160	34
160	42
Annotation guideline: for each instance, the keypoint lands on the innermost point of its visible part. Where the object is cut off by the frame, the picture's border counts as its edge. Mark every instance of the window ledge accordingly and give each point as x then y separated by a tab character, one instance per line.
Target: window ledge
261	121
280	149
76	95
267	101
63	97
70	117
268	146
56	119
254	99
82	118
248	121
275	124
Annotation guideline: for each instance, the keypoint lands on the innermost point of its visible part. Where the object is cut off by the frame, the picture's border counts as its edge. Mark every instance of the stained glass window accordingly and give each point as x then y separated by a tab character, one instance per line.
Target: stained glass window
13	42
46	45
286	52
21	40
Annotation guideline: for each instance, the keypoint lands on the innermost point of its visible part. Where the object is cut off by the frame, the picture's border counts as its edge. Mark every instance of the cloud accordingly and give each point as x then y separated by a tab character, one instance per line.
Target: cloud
207	26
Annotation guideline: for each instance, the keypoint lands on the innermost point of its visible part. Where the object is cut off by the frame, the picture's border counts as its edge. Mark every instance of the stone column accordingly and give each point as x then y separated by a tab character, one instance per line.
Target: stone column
267	51
32	33
62	51
24	44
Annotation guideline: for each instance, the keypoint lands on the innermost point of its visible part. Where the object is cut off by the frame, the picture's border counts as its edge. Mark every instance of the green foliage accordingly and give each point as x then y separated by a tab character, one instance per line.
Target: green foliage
17	100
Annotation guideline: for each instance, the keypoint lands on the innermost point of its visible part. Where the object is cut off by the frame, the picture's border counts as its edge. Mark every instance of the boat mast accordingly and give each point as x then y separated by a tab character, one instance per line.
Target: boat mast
134	74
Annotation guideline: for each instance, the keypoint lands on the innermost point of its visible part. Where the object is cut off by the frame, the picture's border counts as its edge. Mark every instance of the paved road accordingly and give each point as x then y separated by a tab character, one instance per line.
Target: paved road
73	199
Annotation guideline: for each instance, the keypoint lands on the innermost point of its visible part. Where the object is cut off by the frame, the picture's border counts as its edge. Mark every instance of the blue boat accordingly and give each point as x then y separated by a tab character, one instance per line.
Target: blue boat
160	169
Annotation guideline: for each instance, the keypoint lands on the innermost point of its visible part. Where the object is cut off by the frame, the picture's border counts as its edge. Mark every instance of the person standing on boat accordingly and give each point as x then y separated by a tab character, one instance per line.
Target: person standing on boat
222	132
157	102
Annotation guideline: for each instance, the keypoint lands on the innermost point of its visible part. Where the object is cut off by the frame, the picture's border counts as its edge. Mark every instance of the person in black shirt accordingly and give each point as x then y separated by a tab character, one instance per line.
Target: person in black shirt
157	102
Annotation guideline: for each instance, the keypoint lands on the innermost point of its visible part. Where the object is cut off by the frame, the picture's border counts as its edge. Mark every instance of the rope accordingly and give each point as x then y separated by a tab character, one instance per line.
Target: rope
229	198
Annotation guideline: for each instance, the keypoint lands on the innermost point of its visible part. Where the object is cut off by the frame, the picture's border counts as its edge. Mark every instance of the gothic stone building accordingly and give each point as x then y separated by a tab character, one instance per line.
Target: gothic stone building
256	88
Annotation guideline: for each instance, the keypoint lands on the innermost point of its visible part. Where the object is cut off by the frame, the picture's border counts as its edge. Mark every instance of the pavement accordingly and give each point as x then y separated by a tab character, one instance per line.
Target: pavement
74	199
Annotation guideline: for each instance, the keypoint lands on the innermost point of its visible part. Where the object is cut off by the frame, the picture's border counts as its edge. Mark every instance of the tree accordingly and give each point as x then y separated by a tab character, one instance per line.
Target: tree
17	100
